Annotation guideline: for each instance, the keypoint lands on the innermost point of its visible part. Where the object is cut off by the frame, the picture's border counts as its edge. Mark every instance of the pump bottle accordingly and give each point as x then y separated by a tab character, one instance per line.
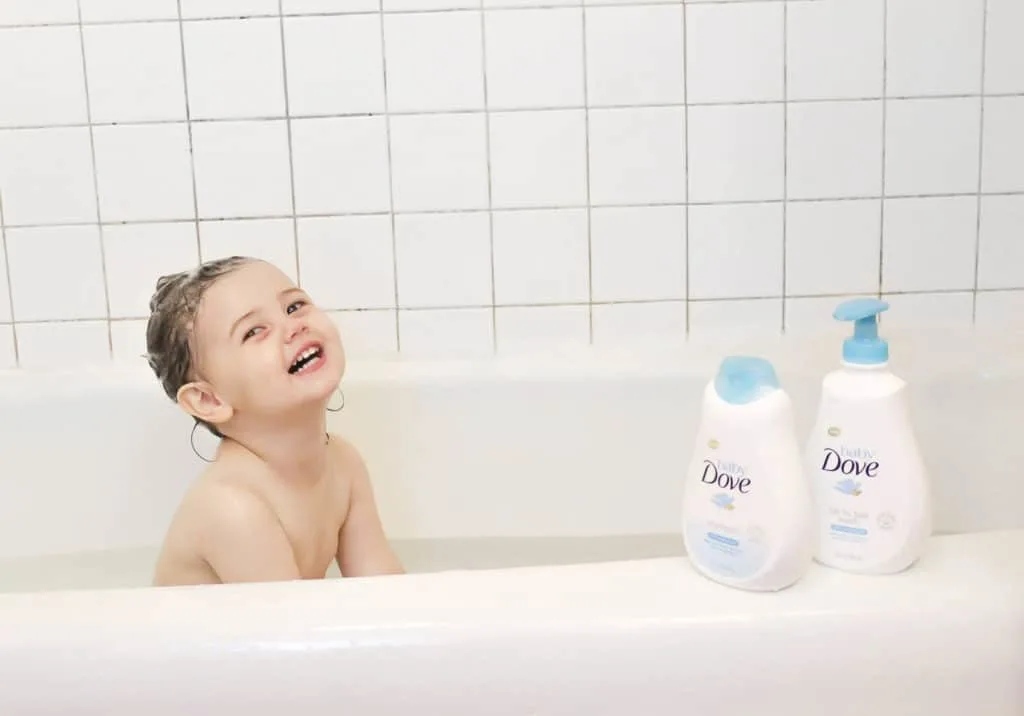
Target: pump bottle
867	474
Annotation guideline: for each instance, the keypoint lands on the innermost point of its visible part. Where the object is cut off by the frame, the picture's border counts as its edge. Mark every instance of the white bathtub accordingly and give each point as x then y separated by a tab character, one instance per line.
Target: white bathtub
536	502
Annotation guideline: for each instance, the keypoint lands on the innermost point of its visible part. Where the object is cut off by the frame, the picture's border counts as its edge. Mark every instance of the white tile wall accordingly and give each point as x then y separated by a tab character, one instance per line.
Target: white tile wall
451	177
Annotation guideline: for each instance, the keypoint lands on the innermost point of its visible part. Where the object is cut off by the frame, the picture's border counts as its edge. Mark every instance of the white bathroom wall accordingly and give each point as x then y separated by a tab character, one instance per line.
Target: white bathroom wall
453	176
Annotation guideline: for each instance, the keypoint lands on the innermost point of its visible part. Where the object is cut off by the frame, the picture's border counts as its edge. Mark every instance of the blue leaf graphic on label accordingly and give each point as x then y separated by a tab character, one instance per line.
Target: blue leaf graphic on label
848	487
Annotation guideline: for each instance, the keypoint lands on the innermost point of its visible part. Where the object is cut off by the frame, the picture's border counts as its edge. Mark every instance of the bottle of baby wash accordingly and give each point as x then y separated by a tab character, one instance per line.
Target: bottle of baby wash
748	517
867	474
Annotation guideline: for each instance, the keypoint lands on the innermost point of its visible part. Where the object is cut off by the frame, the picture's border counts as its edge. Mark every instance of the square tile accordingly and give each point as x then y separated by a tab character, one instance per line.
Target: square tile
541	256
928	244
529	3
539	158
434	61
997	309
290	7
832	247
128	341
443	260
638	253
835	49
812	316
228	8
1003	160
736	153
427	5
736	251
734	53
29	12
735	320
637	155
335	64
439	162
635	55
1004	53
44	289
137	255
271	240
928	311
446	333
41	77
367	334
1001	243
63	345
235	69
144	172
242	169
931	146
347	261
940	55
534	58
835	150
341	165
122	10
531	329
624	324
8	353
135	72
46	176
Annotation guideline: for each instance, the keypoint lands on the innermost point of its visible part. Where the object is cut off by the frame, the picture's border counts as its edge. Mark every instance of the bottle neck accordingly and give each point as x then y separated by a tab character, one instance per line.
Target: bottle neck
866	367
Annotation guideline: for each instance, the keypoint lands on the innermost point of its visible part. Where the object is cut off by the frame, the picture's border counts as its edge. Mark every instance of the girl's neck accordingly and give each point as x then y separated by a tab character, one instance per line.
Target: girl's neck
293	446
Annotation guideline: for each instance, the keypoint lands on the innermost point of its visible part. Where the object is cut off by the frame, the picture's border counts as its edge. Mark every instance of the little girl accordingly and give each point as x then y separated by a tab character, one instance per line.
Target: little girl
246	352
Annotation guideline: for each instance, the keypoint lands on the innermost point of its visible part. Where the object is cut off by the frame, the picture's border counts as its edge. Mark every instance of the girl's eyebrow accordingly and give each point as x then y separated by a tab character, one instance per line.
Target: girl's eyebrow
246	316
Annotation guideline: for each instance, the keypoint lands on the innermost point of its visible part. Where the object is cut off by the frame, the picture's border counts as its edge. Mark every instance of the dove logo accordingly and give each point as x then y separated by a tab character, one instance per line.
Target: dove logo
726	475
848	486
723	501
850	462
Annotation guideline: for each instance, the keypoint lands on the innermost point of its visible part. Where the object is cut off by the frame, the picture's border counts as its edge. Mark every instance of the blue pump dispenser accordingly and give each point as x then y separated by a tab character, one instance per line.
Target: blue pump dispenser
864	347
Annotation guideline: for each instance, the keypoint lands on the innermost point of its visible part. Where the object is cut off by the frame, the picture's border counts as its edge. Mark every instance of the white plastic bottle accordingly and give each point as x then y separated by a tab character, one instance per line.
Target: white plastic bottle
867	474
747	510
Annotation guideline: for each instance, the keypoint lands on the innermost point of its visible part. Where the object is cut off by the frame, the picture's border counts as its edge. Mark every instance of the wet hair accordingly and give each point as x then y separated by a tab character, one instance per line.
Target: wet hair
170	331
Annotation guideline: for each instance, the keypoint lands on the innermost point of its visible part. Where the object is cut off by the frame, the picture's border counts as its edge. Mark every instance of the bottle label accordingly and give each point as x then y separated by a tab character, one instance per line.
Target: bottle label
725	539
850	482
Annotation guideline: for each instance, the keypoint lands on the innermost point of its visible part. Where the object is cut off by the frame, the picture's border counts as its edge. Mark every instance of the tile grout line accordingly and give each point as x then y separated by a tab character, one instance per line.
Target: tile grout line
188	131
785	152
981	159
686	175
95	182
559	304
512	209
586	175
510	110
426	11
391	175
885	111
490	175
10	288
291	153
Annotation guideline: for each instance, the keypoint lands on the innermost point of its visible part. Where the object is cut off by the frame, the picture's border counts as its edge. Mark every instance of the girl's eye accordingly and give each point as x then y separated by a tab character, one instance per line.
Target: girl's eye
250	333
295	306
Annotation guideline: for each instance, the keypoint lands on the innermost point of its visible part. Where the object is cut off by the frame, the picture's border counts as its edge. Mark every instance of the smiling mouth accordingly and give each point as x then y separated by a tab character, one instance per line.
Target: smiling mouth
306	359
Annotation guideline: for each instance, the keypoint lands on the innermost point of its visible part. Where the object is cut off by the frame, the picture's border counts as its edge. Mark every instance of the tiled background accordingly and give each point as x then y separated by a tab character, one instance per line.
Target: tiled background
451	176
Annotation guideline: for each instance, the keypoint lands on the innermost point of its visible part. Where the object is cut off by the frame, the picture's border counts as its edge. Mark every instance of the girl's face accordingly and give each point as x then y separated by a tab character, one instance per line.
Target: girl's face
262	347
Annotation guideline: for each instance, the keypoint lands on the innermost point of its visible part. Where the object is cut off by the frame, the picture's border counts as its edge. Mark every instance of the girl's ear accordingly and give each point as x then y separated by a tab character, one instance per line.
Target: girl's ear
200	400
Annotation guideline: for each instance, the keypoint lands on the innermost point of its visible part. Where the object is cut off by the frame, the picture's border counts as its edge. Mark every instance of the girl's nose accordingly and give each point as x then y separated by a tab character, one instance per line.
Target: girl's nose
295	328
